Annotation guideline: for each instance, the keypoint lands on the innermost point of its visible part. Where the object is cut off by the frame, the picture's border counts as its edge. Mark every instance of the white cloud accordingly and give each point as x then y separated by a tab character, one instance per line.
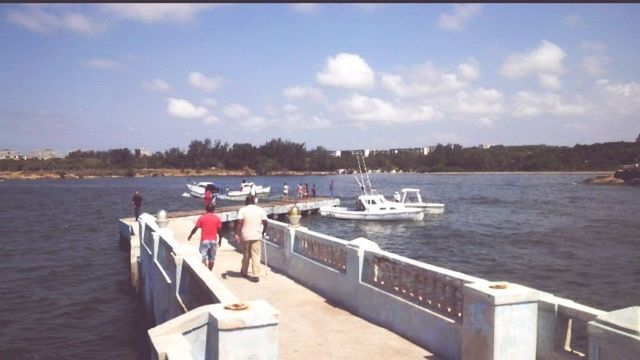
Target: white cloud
479	102
469	71
459	17
102	64
348	71
426	80
306	92
156	13
211	103
530	104
184	109
290	108
203	82
296	121
619	98
157	85
211	119
597	62
366	109
254	123
573	21
306	8
545	61
36	18
236	111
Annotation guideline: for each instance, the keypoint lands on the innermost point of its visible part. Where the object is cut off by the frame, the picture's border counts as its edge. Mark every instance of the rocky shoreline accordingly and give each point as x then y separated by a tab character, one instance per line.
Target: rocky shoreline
93	174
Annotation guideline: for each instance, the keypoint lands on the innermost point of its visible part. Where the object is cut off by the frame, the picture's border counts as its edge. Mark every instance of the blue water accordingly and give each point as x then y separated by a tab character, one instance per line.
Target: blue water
64	281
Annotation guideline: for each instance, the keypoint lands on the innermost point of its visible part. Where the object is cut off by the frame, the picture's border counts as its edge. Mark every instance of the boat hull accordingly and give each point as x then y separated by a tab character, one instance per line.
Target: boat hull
351	214
429	208
236	194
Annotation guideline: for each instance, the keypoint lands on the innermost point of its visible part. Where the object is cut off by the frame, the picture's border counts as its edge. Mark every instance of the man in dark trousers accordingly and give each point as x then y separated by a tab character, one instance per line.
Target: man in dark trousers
136	204
210	237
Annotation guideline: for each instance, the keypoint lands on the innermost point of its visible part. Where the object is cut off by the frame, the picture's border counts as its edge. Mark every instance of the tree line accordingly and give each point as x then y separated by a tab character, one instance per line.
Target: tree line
279	155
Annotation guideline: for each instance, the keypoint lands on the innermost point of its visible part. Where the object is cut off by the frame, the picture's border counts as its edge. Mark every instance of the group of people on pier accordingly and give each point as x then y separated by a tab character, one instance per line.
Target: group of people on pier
250	229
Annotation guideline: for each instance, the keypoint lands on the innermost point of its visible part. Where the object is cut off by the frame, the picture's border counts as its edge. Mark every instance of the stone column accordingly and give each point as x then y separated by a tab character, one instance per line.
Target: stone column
615	335
499	321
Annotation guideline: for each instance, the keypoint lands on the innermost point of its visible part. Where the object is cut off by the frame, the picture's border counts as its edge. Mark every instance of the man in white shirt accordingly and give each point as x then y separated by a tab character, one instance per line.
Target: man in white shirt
250	228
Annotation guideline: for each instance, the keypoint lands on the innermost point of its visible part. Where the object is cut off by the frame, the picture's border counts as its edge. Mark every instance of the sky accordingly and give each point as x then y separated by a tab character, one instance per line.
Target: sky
341	76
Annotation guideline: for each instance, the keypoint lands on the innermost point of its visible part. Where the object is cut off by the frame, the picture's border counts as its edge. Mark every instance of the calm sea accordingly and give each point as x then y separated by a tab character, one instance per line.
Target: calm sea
64	281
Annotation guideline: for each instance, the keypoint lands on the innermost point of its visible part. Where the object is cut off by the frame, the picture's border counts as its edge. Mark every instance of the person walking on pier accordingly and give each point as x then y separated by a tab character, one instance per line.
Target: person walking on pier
210	237
136	204
250	228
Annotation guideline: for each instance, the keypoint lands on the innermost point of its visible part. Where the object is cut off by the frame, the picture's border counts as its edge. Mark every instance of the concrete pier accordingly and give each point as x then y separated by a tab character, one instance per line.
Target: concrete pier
323	297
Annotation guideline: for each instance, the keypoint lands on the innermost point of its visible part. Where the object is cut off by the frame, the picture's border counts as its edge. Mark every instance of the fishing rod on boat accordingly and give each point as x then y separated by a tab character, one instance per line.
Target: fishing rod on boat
363	184
367	172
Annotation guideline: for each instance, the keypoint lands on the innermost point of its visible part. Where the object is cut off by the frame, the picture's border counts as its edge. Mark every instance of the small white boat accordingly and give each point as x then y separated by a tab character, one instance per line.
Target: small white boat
245	189
411	198
197	190
373	207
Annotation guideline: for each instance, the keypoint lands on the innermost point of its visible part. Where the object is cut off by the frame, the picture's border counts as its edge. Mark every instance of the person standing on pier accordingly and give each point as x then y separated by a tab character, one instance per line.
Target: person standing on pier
210	237
250	229
136	204
331	189
285	192
313	191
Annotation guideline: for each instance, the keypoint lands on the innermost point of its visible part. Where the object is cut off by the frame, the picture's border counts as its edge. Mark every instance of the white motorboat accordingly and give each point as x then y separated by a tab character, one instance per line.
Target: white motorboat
245	189
371	205
411	198
198	190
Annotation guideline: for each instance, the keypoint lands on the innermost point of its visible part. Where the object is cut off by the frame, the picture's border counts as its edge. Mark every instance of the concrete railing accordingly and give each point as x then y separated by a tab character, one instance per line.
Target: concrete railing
194	314
453	314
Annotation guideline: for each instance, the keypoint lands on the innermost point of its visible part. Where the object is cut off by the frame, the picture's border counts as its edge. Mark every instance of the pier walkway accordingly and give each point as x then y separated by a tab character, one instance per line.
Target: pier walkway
310	327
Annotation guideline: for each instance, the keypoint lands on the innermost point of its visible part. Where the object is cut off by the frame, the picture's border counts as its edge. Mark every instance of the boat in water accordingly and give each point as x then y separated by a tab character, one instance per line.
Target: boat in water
198	190
371	205
246	189
411	198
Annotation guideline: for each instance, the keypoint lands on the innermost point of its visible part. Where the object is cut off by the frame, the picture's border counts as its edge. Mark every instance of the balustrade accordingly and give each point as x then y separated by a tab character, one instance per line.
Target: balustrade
321	250
427	288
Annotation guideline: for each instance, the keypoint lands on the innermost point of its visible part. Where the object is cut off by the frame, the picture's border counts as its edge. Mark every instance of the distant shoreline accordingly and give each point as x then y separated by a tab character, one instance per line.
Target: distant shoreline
95	174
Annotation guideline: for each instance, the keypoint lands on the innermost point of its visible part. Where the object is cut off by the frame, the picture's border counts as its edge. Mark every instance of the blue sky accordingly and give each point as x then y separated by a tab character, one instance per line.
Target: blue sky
342	76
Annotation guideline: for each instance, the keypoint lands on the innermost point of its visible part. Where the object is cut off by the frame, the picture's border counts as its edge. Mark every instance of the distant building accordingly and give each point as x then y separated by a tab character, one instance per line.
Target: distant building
419	150
335	153
367	152
142	152
485	146
8	154
45	154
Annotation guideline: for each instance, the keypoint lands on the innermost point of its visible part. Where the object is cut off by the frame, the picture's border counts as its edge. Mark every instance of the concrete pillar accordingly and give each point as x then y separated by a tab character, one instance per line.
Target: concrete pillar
615	335
499	322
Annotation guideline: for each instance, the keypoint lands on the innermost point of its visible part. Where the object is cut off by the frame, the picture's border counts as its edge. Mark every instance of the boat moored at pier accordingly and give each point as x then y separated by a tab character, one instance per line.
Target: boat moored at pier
373	207
411	198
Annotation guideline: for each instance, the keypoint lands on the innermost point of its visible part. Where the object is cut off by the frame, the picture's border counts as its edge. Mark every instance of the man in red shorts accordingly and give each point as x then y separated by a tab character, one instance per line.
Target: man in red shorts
210	237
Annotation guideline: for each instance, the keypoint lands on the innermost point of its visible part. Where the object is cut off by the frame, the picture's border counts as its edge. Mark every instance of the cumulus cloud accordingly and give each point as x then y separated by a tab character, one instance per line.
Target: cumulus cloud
203	82
42	20
294	121
304	92
348	71
367	109
620	98
102	64
184	109
545	62
254	123
211	103
530	104
596	62
469	71
572	21
157	85
306	8
426	80
156	13
459	17
236	111
479	102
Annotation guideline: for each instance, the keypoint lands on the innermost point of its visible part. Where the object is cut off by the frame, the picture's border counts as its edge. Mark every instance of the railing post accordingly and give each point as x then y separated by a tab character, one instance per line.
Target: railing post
499	322
615	335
